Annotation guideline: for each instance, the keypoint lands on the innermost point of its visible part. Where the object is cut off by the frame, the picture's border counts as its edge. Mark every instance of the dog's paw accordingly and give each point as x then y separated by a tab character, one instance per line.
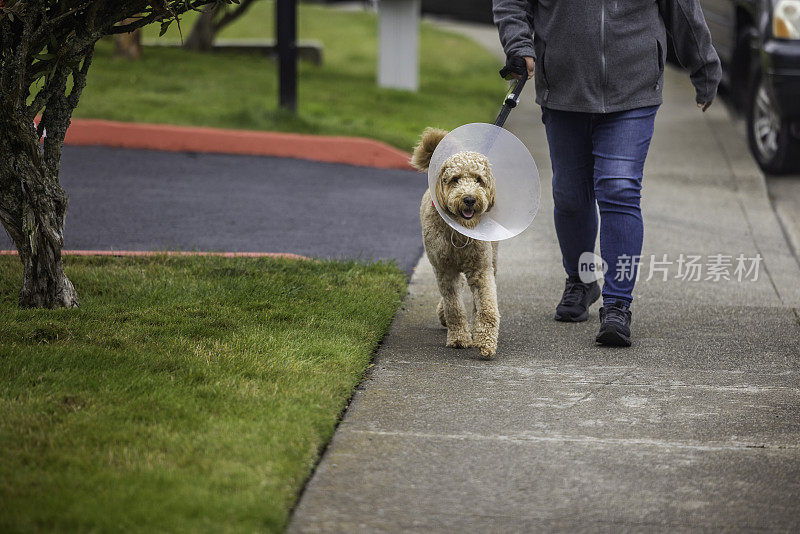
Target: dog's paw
488	353
486	340
459	339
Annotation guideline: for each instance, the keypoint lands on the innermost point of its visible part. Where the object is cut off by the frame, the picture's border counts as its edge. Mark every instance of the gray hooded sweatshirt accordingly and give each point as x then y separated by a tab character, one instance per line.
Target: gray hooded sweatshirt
601	56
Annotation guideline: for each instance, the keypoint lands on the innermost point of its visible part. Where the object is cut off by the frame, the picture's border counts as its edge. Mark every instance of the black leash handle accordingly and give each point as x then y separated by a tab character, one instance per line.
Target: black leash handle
511	100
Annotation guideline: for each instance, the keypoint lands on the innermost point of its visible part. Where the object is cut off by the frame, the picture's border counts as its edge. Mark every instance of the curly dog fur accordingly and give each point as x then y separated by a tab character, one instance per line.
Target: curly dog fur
465	188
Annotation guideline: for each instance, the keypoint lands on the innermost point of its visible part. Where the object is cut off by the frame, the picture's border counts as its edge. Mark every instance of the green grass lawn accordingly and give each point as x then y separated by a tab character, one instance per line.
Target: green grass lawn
186	394
459	82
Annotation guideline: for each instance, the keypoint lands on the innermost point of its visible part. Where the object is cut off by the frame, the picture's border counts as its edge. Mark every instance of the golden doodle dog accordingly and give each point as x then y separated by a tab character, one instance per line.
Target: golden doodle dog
465	188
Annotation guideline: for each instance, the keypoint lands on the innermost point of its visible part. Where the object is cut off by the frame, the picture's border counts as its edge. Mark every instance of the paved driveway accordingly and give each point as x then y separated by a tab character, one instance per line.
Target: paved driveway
144	200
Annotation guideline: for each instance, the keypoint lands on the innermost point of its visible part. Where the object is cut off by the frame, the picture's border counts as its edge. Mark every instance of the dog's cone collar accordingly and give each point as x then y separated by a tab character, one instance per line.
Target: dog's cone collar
515	174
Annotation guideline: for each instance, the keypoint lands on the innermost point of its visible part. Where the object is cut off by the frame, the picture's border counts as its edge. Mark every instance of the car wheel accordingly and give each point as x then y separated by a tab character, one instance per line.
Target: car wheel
741	68
769	135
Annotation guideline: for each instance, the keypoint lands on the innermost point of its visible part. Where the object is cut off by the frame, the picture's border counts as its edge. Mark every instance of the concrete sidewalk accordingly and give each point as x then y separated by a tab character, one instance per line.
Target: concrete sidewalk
696	426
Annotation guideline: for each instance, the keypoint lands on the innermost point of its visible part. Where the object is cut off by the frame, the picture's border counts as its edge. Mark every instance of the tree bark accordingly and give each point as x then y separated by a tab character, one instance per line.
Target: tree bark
33	208
44	284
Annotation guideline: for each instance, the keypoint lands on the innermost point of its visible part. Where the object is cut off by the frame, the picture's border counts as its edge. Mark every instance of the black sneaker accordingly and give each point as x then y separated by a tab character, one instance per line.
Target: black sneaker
575	302
615	325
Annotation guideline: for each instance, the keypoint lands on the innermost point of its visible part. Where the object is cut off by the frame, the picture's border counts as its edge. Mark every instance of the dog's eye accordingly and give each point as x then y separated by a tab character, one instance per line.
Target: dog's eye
454	180
479	180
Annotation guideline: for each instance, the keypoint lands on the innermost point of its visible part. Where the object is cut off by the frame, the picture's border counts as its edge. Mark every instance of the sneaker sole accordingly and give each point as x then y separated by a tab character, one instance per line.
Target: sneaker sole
570	319
613	338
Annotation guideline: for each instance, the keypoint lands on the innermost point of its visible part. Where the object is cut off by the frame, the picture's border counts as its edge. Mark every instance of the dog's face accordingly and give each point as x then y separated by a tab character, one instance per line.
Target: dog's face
465	187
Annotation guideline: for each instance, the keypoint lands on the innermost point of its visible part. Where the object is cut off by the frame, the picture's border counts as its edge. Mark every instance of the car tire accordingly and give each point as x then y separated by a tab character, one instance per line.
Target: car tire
769	135
741	69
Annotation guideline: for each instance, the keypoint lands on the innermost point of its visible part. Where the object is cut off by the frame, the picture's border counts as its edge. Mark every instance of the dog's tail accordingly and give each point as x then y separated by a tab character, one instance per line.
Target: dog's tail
424	150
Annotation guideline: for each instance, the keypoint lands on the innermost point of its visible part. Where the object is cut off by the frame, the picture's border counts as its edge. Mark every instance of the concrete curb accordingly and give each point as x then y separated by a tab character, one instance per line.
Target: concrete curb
761	217
332	149
788	219
284	255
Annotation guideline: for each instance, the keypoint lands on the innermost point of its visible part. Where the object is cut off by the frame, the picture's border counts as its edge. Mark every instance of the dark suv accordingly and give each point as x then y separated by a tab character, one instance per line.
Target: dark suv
758	42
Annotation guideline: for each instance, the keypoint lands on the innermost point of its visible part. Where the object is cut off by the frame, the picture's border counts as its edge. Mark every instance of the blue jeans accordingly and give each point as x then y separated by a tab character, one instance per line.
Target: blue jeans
598	162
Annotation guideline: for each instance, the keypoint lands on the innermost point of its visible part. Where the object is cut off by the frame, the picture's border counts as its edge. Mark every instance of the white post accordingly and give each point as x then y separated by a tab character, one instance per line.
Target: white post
398	47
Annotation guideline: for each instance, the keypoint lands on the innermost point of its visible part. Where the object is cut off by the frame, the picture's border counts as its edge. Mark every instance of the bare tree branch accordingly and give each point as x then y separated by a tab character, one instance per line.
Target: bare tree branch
50	23
79	79
232	14
157	16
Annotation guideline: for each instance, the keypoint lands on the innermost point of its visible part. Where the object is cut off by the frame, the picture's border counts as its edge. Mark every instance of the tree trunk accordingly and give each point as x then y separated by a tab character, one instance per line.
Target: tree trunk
212	19
128	45
201	38
33	208
44	284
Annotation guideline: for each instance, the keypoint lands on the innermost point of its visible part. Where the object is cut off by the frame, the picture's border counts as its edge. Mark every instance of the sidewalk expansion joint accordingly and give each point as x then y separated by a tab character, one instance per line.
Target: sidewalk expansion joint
588	440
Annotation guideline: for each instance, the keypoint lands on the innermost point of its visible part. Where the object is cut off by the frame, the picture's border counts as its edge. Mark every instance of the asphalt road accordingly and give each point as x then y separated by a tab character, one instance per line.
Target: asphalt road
145	200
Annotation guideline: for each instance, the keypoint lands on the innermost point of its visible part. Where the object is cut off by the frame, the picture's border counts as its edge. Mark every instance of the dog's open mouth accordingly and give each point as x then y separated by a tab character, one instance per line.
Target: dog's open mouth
467	214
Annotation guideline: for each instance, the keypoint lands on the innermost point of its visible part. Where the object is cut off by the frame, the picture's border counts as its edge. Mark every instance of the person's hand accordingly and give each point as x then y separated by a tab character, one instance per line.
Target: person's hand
529	64
703	106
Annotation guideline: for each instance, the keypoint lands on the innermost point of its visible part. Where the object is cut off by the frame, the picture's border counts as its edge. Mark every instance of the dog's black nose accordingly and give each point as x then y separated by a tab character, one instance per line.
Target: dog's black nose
469	201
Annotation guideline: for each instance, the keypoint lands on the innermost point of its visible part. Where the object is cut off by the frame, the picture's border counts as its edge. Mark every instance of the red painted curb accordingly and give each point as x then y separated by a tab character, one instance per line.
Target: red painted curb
285	255
350	150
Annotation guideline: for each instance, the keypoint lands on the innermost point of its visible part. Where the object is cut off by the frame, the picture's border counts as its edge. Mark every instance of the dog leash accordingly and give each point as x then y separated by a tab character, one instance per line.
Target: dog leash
511	101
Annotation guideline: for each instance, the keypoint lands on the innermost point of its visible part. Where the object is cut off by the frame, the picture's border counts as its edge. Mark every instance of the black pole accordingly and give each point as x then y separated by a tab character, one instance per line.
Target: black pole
286	32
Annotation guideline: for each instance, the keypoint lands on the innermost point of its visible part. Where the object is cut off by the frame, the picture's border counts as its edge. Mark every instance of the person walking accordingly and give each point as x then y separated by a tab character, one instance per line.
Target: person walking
599	68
